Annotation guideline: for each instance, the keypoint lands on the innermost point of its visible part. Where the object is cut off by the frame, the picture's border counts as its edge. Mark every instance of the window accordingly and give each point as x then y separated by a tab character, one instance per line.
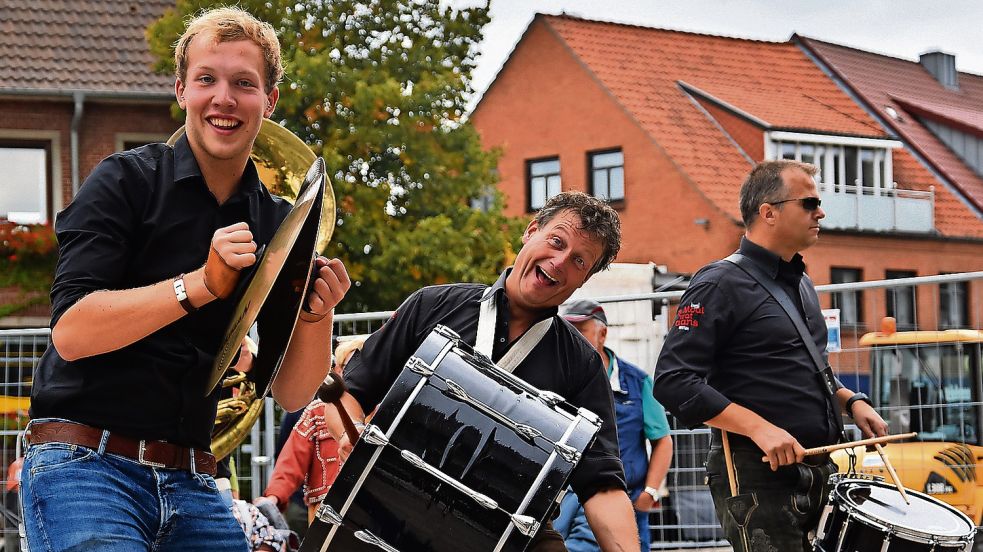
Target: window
607	174
901	300
850	303
24	196
543	179
952	305
843	168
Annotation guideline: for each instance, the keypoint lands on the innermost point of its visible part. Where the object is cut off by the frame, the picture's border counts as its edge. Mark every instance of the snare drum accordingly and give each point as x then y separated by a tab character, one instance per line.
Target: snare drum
461	456
870	516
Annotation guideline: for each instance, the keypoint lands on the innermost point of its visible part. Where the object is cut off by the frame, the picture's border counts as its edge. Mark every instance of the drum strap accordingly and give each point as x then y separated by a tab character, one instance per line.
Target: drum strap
485	341
825	374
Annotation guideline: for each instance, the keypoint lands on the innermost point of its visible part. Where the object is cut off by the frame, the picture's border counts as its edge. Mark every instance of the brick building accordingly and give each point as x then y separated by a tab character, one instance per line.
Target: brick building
667	124
76	85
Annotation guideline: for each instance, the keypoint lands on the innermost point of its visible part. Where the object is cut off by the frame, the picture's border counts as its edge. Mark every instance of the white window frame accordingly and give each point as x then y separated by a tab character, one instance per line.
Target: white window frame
830	156
54	183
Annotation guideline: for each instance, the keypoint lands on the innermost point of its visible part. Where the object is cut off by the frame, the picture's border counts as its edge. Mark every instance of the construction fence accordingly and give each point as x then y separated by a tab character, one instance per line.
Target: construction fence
637	326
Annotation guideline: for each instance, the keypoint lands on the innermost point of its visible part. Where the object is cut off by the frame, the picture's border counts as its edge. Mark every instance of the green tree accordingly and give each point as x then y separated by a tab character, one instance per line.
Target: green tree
378	88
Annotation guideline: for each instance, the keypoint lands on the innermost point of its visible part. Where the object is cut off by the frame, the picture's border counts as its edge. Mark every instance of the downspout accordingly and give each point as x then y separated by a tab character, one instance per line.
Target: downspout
79	98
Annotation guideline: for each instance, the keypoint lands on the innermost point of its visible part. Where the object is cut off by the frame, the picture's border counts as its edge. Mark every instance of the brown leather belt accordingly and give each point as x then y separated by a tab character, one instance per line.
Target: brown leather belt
157	454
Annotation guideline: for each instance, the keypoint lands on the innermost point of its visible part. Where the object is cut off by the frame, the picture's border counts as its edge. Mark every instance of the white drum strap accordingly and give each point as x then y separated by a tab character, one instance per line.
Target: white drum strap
485	340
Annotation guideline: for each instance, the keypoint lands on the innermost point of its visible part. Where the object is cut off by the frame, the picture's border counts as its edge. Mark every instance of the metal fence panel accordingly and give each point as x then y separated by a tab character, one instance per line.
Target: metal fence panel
637	324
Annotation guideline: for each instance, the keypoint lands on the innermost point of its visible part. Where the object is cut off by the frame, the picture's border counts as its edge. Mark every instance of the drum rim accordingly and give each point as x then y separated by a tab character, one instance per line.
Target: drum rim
924	537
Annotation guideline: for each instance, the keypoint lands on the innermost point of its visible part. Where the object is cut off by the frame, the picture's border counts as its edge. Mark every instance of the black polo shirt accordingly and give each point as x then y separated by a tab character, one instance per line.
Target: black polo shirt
144	216
732	342
563	362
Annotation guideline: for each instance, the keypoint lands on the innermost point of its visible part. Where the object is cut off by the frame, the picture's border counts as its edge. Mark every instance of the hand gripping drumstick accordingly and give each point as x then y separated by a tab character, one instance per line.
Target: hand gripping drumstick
862	442
331	392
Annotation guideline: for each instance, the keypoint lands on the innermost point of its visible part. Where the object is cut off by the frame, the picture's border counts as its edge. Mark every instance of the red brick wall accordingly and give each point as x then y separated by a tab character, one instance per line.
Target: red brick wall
97	132
749	136
545	103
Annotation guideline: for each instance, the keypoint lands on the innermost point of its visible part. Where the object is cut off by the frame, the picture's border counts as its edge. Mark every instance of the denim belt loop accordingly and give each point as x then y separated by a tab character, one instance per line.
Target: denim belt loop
102	442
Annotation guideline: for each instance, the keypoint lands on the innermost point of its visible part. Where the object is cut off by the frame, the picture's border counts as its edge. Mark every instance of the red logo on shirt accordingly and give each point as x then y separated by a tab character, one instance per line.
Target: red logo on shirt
688	316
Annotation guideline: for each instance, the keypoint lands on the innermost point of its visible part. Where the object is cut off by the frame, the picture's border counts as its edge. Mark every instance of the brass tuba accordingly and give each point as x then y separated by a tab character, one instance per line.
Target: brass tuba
282	160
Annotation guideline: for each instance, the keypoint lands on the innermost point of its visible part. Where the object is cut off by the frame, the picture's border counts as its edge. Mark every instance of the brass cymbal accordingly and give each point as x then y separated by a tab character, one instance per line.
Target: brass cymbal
277	288
282	160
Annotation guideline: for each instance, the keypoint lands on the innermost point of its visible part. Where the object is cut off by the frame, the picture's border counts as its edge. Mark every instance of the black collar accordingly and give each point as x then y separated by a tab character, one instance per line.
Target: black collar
186	168
771	263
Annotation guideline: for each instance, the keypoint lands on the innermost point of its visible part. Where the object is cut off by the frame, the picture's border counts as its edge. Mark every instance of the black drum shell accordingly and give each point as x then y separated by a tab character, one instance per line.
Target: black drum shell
410	509
845	529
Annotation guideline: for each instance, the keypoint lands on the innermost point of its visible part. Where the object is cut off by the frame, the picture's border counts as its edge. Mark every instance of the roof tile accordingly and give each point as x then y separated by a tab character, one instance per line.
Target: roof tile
90	45
883	81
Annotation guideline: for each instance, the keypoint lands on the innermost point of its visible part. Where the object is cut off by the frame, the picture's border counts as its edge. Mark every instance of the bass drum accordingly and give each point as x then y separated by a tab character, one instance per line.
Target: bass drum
460	457
870	516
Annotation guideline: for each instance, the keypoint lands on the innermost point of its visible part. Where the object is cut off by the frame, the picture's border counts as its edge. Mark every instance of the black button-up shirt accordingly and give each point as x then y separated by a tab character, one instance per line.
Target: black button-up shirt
732	342
144	216
563	362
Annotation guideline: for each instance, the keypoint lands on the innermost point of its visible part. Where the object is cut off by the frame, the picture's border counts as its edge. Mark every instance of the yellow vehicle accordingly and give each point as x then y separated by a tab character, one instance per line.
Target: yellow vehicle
929	382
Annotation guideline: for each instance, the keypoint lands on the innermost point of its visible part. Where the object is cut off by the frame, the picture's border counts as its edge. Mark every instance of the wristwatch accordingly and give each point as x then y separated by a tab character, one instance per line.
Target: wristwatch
653	492
856	397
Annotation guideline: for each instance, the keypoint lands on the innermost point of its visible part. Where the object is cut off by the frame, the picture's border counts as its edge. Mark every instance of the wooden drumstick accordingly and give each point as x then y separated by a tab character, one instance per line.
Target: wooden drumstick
892	473
862	442
729	462
331	392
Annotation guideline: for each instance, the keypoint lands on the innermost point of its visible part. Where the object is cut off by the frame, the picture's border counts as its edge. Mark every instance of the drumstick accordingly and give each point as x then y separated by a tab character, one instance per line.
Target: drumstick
331	392
892	473
862	442
729	462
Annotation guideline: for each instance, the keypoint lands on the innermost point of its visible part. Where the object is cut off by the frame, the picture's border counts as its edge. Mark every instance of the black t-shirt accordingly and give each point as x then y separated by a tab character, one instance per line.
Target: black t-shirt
563	362
731	341
141	217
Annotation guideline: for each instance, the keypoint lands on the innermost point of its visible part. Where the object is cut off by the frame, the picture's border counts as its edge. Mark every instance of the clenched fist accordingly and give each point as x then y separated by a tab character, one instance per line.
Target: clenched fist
328	288
232	250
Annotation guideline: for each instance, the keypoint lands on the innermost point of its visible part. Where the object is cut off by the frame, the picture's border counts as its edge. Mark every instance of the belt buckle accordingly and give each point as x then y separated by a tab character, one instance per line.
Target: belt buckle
145	462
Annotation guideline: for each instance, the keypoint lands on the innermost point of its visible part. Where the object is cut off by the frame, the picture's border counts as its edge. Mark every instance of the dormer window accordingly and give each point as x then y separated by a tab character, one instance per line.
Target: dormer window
847	165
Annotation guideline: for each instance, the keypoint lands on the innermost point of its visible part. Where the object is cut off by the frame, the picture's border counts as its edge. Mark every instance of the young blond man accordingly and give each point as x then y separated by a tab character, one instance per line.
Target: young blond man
151	251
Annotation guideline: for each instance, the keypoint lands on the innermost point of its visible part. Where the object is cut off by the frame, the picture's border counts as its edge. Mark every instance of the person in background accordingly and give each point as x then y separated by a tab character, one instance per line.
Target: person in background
310	456
734	360
641	420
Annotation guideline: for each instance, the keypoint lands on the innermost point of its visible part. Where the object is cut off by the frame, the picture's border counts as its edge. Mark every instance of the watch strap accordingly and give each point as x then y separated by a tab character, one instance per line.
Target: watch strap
653	492
856	397
181	293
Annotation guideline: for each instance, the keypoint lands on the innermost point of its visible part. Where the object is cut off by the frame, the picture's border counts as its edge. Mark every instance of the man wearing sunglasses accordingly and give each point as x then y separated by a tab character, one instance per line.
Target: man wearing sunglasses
736	360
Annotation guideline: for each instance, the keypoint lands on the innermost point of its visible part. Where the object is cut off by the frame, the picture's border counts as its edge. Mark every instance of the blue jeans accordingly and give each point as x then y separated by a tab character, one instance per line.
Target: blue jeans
577	535
77	498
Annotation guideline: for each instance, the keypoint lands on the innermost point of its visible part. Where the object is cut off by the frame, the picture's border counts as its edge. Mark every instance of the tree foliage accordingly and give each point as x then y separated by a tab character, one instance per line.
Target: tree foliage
378	88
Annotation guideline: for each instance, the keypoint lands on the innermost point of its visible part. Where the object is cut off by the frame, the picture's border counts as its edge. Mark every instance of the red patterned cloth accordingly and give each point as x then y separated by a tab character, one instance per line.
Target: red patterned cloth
310	456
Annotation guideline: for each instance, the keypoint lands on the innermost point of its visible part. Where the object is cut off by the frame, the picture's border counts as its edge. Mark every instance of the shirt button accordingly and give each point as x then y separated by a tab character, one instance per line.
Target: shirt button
502	340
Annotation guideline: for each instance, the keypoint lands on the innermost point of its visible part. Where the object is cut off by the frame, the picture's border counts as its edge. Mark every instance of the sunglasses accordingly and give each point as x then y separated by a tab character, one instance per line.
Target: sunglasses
808	203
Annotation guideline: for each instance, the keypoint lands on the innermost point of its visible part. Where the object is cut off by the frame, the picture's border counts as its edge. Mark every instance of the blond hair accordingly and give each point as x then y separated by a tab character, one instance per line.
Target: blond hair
345	349
229	25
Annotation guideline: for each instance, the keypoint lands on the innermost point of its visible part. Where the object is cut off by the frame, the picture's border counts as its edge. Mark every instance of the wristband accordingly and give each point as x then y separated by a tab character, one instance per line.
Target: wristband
653	492
182	294
856	397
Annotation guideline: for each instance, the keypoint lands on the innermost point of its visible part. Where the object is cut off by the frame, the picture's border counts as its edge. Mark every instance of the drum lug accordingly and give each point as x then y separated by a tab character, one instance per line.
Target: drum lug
484	500
447	332
550	398
568	453
327	514
589	416
526	525
374	436
418	366
368	538
887	543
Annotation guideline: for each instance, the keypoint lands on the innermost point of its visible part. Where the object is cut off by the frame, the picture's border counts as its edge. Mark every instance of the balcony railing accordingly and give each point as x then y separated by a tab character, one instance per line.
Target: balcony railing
878	210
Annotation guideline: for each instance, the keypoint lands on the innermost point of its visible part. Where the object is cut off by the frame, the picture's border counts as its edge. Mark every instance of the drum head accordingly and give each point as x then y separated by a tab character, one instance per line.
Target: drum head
883	503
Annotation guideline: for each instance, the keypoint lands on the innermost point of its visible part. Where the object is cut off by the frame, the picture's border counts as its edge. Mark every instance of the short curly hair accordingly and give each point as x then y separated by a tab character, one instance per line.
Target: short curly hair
229	25
597	219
